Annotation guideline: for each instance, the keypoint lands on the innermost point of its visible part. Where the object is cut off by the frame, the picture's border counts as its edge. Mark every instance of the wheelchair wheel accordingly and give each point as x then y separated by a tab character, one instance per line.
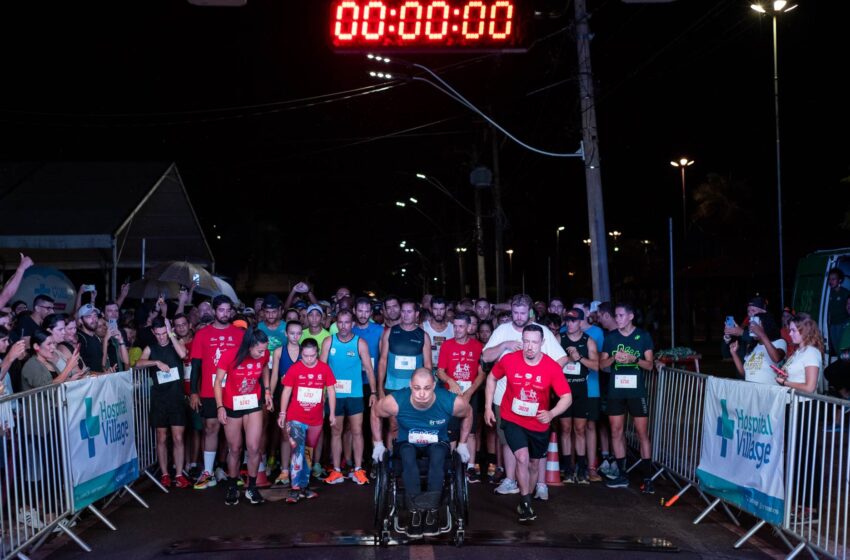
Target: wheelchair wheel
461	492
381	495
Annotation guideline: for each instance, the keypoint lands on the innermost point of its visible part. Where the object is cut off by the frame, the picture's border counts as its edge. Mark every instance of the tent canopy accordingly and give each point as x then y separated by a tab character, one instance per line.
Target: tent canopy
95	215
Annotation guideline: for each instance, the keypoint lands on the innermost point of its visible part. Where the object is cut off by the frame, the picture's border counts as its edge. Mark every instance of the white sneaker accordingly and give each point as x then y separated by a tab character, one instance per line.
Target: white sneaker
30	518
541	492
220	475
507	486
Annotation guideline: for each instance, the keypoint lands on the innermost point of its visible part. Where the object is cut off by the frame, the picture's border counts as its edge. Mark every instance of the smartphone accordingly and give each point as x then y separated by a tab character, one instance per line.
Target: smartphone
88	287
730	321
755	321
778	371
113	324
196	279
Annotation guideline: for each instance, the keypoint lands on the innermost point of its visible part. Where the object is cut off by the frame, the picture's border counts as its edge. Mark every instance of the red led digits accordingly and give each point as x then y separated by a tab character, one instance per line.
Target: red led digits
374	18
463	24
481	15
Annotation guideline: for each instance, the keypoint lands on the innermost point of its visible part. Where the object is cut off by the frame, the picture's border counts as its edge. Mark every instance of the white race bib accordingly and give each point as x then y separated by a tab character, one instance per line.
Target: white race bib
245	402
464	385
223	381
523	408
187	372
421	437
163	377
343	386
572	368
625	381
405	362
309	395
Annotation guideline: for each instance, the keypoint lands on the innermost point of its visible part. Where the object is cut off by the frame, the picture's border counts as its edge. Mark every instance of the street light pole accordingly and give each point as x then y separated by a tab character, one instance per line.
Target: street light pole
682	163
558	258
510	253
460	251
777	7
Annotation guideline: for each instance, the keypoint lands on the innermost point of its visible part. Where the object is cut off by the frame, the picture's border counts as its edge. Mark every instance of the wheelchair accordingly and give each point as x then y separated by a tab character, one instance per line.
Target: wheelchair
389	499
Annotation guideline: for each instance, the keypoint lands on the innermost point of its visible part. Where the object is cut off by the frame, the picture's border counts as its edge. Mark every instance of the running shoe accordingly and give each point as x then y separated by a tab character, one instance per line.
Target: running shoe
317	471
359	477
231	497
432	527
541	492
253	496
181	481
582	478
165	480
526	514
205	481
294	496
491	473
570	478
472	477
308	494
335	478
31	518
605	468
282	479
220	475
619	482
507	486
647	487
593	475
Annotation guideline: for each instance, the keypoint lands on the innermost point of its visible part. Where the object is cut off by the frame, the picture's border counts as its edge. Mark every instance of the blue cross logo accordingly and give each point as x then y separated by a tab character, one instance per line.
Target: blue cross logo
90	427
725	428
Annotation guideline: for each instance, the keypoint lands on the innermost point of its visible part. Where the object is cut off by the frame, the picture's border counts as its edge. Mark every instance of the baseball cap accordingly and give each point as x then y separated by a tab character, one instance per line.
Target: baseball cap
758	301
574	314
241	323
315	307
594	306
86	310
271	301
300	304
249	311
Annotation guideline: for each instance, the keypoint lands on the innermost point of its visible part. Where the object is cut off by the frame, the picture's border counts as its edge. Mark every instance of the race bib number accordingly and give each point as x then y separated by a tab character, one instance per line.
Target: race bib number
625	381
464	385
163	377
245	402
308	395
187	372
343	386
421	437
523	408
223	381
572	368
405	362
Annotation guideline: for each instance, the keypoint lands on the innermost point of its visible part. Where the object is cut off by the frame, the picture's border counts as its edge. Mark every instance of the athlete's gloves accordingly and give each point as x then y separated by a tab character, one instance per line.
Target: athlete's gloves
378	451
463	451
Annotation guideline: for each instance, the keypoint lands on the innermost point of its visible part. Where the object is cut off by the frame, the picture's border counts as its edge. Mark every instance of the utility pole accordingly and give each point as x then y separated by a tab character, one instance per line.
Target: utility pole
592	171
480	178
498	221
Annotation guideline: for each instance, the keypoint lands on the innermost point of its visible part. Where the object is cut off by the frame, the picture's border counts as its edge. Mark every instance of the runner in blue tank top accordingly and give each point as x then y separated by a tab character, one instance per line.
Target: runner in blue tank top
423	412
347	354
402	352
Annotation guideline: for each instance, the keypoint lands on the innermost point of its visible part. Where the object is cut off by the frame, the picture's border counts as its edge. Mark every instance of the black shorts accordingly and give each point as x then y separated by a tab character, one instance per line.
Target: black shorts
167	412
346	406
241	413
519	437
208	408
638	407
455	423
583	407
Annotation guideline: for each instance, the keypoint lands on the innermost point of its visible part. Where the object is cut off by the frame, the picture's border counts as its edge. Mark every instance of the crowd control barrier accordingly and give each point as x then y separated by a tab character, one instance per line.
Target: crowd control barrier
68	449
808	505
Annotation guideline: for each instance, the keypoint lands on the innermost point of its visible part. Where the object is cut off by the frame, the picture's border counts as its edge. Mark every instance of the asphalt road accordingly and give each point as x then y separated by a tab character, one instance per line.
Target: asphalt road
582	521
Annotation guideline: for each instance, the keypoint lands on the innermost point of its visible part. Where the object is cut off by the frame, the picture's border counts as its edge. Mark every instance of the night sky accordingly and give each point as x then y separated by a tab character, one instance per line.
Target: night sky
297	159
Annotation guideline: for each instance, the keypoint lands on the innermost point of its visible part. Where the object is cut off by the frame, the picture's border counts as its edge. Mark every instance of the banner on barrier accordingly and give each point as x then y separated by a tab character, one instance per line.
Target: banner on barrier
101	436
743	435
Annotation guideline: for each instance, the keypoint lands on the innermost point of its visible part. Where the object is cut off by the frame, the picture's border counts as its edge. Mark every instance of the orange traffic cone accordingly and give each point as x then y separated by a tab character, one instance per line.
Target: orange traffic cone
553	466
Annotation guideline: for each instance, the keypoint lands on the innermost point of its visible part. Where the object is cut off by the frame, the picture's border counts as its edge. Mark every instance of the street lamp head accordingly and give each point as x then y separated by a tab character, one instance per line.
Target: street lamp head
775	7
561	228
400	204
682	162
587	241
510	251
413	200
421	176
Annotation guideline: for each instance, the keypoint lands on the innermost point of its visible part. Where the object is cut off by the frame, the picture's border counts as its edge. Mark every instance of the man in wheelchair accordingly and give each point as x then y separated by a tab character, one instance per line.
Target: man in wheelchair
423	412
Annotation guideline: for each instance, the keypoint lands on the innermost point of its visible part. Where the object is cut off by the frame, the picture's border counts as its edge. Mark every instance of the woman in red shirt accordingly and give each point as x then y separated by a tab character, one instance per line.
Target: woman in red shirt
241	391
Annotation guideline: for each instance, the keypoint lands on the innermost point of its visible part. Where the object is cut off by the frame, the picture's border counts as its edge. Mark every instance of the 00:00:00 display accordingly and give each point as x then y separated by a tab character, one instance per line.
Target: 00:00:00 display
439	19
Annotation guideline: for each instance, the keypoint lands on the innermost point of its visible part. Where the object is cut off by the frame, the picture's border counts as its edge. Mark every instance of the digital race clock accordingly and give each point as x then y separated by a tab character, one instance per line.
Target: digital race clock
427	25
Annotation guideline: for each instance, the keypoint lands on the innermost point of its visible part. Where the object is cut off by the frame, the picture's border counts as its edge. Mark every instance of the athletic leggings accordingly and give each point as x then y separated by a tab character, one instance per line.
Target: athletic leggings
303	439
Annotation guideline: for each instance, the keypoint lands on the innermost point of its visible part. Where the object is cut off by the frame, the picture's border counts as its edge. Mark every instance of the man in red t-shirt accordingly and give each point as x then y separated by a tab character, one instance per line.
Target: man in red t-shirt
459	367
526	416
302	413
207	347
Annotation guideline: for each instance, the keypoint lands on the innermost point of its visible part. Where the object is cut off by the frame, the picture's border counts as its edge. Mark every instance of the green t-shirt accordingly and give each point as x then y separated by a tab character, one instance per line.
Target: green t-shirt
622	377
277	336
323	334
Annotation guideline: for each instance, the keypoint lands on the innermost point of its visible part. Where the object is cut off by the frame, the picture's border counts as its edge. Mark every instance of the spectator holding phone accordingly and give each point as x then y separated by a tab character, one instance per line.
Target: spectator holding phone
40	369
765	349
803	369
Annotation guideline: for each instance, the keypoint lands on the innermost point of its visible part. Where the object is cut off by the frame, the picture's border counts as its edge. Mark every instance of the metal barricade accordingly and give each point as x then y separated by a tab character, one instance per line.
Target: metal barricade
145	435
817	488
36	493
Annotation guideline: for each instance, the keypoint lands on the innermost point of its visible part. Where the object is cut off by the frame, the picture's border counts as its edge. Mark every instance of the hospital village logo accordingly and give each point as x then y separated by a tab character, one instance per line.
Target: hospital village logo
746	431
